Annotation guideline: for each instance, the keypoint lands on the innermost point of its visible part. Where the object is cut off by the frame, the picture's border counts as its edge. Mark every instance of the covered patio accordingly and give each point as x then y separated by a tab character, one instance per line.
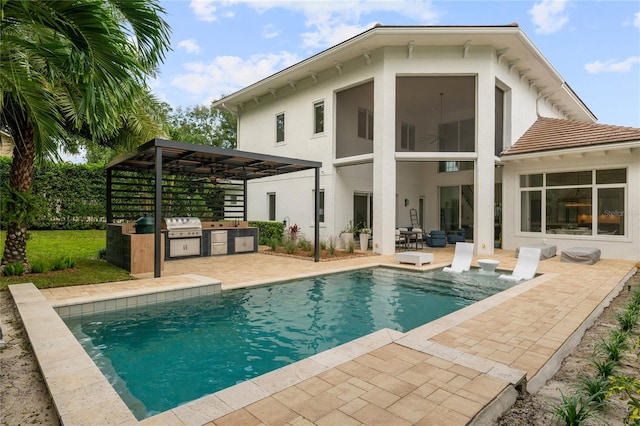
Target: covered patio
159	159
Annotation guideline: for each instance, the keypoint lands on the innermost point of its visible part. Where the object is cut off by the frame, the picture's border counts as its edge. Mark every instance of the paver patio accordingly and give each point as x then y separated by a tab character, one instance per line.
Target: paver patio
461	369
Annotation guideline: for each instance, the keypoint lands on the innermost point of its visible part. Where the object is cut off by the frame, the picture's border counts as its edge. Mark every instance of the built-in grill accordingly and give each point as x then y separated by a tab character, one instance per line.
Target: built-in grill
184	234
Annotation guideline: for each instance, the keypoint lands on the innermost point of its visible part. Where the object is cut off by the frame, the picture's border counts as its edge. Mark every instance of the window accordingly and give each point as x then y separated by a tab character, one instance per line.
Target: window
454	166
280	127
499	122
408	136
318	117
320	206
365	124
587	202
271	202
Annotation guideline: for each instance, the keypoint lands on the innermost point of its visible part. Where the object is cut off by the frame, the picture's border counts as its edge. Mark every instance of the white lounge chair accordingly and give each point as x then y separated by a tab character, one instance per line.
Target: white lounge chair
461	258
528	259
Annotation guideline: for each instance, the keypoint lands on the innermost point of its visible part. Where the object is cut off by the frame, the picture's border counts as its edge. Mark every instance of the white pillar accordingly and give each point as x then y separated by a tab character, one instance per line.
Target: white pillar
484	185
384	162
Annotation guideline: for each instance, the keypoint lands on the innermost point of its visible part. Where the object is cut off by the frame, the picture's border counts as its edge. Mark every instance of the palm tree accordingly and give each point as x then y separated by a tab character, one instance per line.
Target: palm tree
72	69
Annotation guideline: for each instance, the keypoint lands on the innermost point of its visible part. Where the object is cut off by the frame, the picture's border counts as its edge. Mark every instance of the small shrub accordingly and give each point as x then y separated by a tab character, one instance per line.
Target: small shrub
351	246
627	320
635	298
62	263
573	410
630	388
290	246
39	267
612	349
304	244
333	241
594	388
323	245
605	368
274	243
102	253
13	269
618	336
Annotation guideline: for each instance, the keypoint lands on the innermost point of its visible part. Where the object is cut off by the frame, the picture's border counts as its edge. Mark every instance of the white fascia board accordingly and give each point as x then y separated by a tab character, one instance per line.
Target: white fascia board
602	148
353	160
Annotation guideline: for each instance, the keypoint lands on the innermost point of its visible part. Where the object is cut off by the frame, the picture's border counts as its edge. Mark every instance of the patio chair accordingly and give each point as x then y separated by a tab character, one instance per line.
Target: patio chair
400	241
461	258
527	265
458	236
436	239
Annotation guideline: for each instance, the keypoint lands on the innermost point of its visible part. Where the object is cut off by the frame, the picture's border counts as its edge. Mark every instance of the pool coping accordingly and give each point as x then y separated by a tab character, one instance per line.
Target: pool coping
82	395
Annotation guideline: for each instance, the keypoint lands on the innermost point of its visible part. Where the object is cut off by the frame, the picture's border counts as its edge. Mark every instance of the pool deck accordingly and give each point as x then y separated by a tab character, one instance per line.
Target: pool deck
464	368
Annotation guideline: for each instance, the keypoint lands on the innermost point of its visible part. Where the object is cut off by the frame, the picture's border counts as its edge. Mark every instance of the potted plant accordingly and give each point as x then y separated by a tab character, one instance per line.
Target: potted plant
347	234
364	238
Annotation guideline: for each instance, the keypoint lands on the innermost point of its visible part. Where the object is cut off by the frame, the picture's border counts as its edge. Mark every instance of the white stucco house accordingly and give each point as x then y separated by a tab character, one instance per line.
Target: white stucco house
469	127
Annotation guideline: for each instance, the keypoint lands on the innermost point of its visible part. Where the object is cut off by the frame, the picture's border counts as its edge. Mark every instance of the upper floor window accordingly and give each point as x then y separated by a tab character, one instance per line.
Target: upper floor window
280	127
365	124
318	117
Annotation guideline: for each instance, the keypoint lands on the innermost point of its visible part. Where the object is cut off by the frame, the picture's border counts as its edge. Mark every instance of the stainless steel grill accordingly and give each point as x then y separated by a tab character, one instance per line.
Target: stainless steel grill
183	227
185	235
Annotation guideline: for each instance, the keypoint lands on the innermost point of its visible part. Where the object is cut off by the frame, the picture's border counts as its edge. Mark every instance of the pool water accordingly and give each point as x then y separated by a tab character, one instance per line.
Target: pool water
160	356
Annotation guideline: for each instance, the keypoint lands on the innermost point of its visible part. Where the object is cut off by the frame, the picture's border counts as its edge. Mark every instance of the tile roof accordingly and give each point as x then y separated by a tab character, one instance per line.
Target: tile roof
549	134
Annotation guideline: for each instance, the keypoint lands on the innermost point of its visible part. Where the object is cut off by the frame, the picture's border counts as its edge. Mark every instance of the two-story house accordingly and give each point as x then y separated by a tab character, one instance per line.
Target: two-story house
442	128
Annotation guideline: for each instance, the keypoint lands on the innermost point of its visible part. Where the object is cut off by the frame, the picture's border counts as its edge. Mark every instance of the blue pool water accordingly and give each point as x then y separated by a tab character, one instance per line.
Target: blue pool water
160	356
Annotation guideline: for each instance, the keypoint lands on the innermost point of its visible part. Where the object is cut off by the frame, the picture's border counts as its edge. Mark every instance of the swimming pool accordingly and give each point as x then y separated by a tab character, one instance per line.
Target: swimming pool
160	356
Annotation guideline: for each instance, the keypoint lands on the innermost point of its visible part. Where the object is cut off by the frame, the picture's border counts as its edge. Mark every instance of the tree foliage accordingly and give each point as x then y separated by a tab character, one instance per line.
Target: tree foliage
201	125
70	71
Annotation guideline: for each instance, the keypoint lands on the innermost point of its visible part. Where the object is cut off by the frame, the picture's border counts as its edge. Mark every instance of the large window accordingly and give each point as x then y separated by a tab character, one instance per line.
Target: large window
271	205
318	117
280	127
587	202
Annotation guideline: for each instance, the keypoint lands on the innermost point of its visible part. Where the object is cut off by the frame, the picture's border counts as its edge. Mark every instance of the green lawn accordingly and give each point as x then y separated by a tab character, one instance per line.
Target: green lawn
82	246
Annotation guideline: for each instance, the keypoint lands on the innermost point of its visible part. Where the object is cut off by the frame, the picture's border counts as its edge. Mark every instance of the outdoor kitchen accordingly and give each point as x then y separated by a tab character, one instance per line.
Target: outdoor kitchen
172	200
131	246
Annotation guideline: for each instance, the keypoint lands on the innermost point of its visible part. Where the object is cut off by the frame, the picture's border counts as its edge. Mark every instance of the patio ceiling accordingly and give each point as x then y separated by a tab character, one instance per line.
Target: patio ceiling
181	158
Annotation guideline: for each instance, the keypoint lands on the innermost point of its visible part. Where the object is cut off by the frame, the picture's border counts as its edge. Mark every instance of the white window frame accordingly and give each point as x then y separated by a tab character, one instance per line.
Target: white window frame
284	128
315	123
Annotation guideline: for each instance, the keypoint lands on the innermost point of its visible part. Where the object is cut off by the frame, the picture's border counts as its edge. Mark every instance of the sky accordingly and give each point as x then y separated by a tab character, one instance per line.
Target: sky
221	46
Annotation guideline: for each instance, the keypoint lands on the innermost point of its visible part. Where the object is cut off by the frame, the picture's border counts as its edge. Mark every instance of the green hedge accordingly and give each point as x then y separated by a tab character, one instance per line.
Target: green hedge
74	194
267	230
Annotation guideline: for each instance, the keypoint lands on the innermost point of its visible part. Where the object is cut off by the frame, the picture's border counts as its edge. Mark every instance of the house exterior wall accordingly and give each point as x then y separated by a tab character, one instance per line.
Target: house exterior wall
622	247
387	180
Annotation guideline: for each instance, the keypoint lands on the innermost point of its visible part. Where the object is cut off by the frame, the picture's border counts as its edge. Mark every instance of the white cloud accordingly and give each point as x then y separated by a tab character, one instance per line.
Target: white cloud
227	74
598	67
549	16
205	10
269	31
331	22
636	20
190	46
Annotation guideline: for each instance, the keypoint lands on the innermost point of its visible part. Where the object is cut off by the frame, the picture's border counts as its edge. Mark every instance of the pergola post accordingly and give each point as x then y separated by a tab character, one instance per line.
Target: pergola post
316	214
157	250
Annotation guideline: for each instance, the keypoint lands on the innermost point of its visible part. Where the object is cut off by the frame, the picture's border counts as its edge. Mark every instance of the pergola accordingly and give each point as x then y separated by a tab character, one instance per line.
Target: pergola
160	157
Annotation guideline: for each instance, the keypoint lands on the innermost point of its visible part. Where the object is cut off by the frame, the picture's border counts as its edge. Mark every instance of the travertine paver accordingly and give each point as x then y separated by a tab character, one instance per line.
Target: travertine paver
442	373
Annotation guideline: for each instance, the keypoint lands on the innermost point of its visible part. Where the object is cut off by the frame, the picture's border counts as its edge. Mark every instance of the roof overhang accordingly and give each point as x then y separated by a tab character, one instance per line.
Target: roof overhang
191	159
577	152
513	48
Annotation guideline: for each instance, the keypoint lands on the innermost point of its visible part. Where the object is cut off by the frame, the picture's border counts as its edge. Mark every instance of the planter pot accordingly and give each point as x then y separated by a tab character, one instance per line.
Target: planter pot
347	238
497	244
364	242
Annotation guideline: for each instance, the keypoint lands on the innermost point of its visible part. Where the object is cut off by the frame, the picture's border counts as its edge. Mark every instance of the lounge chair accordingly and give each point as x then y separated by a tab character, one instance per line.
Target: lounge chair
528	259
436	239
461	258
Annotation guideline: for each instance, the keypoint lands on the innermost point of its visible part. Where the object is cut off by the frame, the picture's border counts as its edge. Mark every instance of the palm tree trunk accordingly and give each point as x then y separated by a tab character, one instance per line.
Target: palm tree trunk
21	179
